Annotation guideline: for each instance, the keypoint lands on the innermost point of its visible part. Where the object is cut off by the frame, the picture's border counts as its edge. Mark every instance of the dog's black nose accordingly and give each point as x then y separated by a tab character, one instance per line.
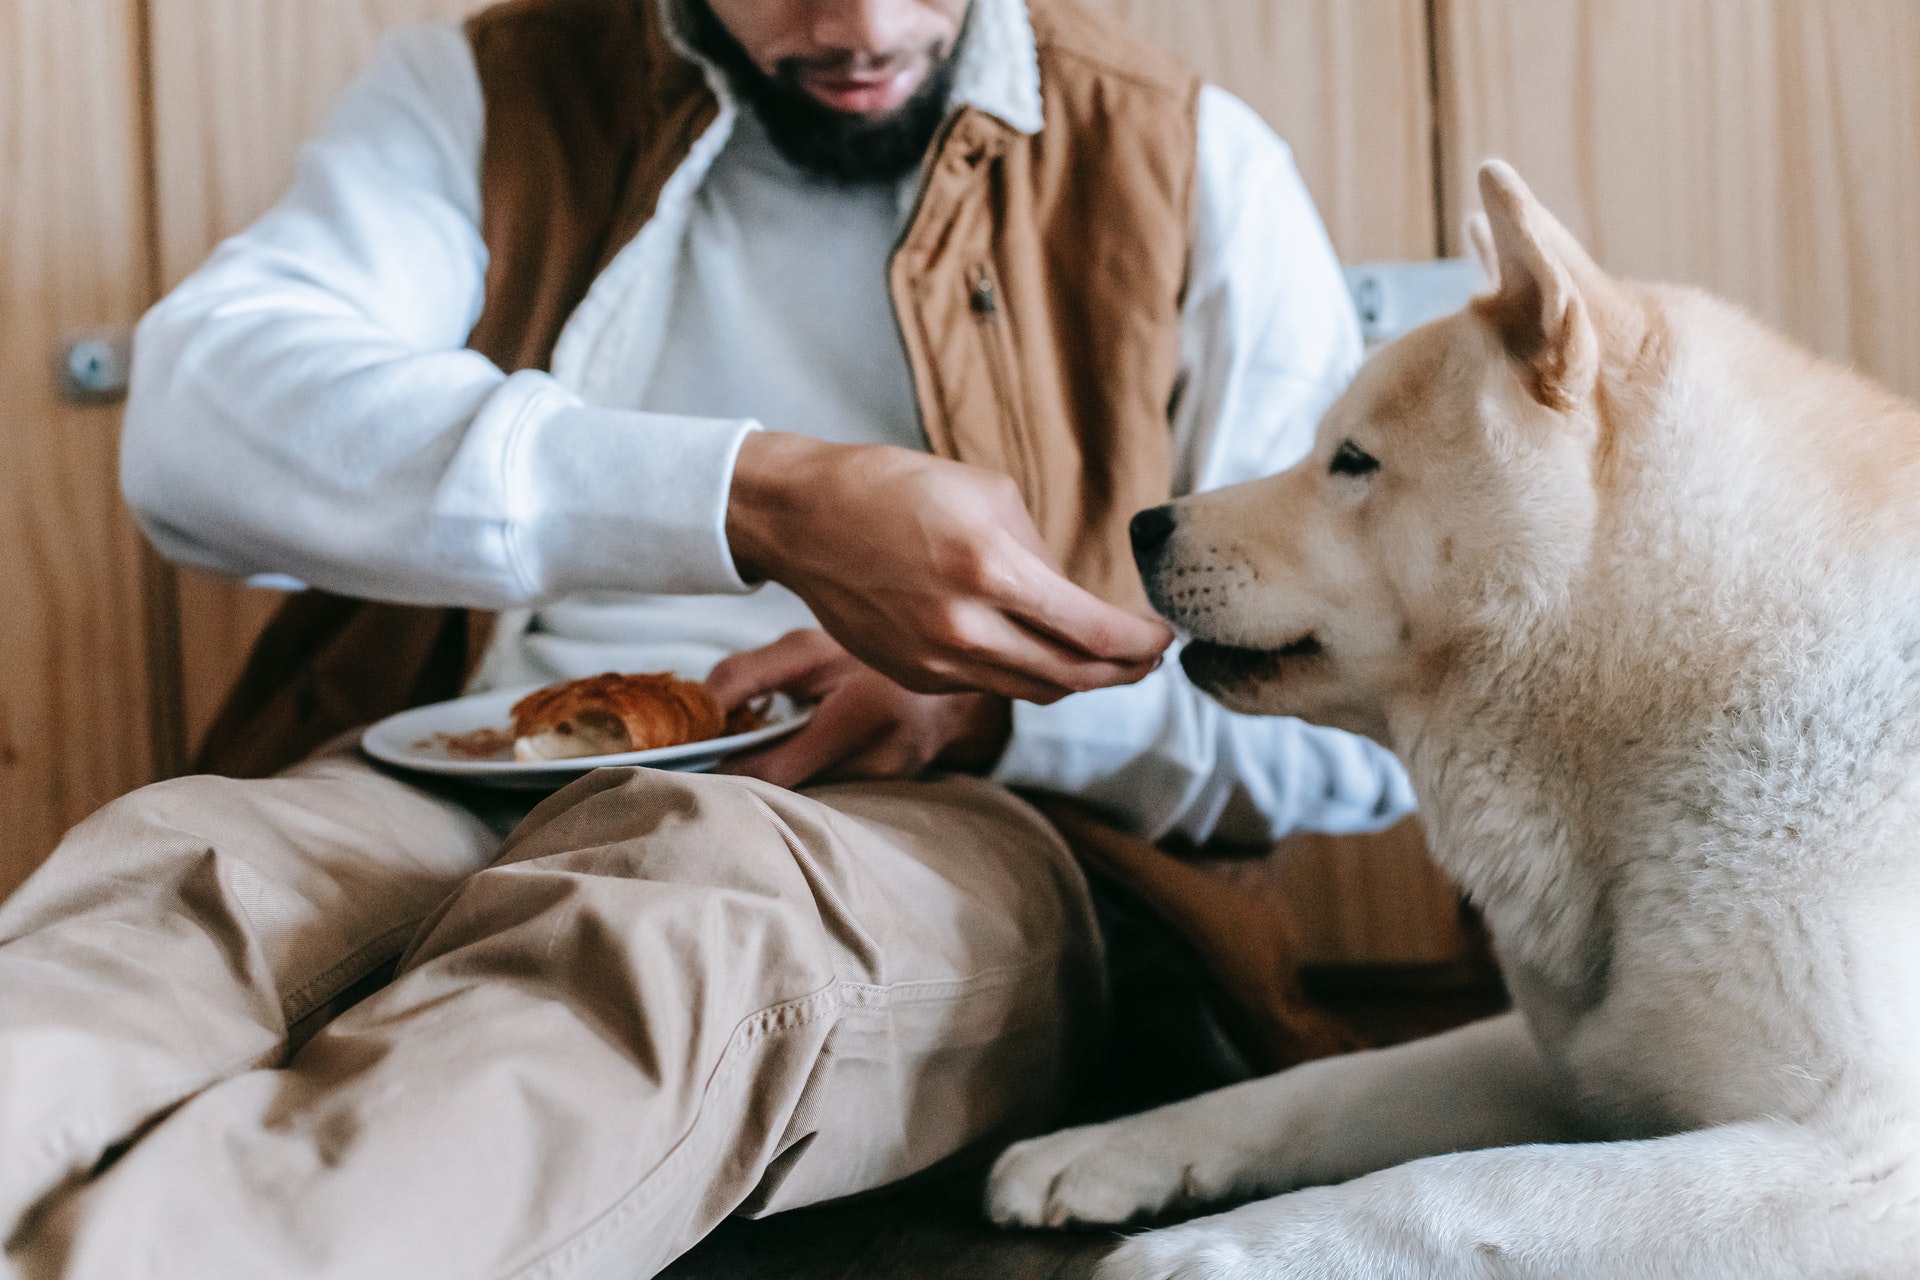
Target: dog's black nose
1150	531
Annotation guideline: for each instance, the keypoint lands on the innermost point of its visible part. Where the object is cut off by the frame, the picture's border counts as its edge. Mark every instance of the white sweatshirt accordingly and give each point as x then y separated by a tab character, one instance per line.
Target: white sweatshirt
304	406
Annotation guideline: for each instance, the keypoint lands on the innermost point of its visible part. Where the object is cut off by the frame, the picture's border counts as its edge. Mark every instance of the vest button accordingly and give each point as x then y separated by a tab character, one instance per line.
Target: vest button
984	300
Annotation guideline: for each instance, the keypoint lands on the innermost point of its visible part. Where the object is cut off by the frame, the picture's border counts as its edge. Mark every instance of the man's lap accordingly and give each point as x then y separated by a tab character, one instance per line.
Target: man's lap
936	930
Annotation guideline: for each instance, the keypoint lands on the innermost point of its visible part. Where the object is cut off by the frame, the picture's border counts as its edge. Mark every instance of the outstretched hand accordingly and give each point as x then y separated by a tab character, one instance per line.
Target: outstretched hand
865	725
929	571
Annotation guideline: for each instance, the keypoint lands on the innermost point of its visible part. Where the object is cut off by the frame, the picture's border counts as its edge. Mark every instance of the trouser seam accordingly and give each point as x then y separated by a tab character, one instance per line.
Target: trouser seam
788	1016
75	1134
68	1138
888	995
383	947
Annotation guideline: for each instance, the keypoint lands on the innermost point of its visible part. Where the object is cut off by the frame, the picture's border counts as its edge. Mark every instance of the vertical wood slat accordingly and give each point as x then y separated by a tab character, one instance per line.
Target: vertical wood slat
237	86
75	700
1345	83
1761	148
1358	899
1370	899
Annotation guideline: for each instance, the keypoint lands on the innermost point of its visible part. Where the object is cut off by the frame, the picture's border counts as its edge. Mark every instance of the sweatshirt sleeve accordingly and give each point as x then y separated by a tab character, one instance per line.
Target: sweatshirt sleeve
303	405
1269	339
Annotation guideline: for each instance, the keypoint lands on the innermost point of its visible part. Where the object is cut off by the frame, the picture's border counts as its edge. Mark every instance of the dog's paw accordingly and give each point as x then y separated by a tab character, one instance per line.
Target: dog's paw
1100	1175
1305	1234
1179	1253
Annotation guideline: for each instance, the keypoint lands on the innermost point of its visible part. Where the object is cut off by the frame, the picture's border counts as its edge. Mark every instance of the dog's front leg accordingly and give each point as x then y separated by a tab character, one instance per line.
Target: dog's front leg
1757	1201
1326	1121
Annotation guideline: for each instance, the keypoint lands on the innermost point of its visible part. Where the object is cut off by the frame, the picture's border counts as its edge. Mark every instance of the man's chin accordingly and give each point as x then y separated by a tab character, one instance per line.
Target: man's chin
804	109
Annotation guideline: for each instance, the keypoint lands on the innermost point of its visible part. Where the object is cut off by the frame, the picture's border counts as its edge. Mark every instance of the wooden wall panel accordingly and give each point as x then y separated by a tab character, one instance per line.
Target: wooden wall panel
1345	82
1373	898
238	85
1370	899
75	704
1762	148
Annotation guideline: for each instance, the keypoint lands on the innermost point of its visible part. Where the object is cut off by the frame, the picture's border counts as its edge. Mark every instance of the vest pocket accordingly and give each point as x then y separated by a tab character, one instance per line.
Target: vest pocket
988	304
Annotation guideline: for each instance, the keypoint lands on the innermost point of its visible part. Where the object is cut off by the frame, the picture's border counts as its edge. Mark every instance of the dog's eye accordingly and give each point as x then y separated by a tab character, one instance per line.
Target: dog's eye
1351	460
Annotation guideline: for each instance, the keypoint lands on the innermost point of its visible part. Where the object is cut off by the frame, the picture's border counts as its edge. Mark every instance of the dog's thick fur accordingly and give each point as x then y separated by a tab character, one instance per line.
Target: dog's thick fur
1633	588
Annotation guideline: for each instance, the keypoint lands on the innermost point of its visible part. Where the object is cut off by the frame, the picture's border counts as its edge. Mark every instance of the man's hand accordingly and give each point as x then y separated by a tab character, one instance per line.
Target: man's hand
865	726
930	571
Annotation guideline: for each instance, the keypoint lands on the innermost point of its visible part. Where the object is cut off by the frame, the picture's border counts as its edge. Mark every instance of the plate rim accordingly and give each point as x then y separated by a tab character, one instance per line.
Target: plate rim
715	747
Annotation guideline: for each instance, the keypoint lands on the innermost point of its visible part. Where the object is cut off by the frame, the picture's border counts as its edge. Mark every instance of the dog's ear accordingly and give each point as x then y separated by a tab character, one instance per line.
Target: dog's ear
1480	244
1540	305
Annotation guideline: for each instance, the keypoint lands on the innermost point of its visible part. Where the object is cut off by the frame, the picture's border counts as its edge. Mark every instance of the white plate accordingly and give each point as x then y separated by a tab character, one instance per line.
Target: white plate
408	741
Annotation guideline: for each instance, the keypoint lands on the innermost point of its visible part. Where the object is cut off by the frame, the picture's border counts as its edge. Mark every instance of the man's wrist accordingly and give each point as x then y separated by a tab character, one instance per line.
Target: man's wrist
768	471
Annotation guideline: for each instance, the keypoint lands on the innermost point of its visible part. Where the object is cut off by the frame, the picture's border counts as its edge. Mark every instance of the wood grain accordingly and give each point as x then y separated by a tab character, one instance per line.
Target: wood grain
1370	899
1764	150
1345	83
1374	898
74	689
237	86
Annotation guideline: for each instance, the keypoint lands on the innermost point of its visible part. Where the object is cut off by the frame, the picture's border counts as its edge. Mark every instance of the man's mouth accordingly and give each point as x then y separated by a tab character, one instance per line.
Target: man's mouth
865	93
1217	666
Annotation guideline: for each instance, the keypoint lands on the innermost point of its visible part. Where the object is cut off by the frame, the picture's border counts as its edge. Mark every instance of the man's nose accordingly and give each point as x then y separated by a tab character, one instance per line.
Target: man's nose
1151	530
872	28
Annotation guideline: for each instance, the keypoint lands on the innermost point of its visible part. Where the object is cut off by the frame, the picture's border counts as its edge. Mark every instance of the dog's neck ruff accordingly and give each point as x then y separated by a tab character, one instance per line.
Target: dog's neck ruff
1729	682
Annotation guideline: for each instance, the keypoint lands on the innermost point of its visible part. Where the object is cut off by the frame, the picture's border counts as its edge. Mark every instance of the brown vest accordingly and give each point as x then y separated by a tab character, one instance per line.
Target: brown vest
1038	288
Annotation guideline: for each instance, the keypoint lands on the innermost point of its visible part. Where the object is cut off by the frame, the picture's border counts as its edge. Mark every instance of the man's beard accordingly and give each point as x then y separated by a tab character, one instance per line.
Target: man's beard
838	145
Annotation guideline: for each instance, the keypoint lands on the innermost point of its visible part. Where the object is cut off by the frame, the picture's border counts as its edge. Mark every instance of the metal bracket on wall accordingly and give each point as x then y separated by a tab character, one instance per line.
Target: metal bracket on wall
94	368
1393	297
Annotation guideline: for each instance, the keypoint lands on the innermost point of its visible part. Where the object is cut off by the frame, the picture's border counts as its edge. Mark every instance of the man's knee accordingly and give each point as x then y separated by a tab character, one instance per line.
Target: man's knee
299	883
870	884
143	843
638	875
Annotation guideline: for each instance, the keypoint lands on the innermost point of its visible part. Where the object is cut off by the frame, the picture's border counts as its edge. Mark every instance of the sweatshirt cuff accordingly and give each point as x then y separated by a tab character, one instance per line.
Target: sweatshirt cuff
612	500
1105	747
1051	749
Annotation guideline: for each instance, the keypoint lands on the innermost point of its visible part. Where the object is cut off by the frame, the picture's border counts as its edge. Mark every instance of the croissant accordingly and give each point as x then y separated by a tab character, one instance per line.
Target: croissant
609	714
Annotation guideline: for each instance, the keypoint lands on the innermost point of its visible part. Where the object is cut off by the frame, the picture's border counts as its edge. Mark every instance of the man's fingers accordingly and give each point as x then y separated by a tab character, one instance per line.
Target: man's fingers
1029	588
945	673
1083	621
1004	655
949	673
841	728
792	660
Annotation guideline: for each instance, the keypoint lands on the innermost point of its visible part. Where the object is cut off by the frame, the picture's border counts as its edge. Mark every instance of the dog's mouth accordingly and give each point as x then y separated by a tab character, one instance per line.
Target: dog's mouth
1214	666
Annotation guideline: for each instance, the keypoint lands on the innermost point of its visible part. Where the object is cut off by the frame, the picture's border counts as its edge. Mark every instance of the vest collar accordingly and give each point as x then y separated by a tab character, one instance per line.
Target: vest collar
999	71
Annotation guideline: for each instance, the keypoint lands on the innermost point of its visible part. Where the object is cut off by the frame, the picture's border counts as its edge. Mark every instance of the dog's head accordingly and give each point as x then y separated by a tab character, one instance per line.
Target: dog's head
1448	500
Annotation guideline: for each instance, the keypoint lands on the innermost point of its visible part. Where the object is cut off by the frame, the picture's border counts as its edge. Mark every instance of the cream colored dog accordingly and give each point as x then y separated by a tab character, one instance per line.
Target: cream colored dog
1633	588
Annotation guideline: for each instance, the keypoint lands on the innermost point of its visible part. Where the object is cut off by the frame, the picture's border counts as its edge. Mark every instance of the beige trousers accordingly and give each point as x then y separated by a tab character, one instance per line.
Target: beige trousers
665	999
